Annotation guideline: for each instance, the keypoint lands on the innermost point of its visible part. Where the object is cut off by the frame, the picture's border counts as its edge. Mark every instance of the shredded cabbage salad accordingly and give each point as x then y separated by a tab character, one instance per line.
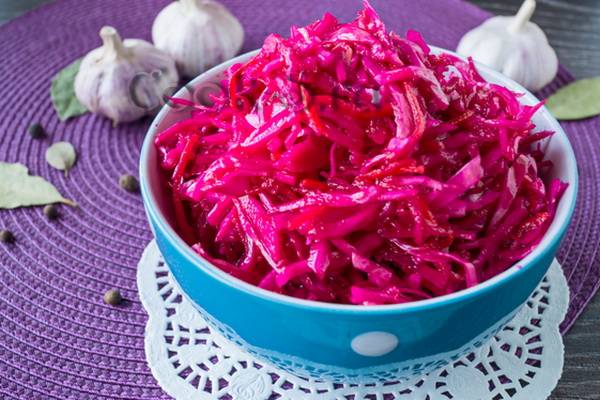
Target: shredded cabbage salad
347	164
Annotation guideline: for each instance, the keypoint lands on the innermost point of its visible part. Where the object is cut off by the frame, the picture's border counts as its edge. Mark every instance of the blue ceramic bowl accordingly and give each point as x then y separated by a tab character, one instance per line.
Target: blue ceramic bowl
348	341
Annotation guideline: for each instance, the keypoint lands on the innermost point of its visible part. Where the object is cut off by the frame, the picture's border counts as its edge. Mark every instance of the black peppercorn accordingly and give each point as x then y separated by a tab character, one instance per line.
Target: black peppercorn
113	297
6	236
37	131
51	212
129	183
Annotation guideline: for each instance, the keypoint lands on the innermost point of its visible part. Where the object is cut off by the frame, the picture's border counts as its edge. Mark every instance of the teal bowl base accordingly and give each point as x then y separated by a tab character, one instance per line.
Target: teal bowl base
381	373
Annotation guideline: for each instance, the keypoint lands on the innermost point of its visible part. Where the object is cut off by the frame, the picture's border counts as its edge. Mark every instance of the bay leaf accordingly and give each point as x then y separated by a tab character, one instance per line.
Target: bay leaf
578	100
62	93
61	155
19	189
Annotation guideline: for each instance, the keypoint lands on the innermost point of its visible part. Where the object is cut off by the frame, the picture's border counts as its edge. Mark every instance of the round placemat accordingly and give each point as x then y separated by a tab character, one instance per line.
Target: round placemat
57	338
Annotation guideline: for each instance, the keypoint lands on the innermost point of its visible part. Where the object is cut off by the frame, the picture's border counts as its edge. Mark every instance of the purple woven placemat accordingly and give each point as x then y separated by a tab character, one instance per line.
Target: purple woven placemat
57	338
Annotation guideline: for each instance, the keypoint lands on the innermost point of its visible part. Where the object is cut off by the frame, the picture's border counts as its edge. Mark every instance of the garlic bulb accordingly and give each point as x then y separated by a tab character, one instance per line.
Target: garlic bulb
124	80
514	46
198	34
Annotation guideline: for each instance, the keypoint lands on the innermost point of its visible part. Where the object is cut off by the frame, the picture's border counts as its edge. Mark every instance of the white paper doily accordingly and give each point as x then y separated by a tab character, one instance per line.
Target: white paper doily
523	361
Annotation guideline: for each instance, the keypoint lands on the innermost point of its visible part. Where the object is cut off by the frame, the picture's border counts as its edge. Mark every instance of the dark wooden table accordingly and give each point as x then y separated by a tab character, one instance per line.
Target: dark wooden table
573	28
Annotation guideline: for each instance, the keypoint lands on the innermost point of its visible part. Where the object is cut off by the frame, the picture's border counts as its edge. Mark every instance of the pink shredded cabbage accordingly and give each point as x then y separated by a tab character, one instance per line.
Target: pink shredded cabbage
347	164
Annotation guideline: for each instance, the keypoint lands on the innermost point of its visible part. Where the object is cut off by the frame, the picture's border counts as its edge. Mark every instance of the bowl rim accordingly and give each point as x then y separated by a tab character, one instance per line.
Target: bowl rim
547	242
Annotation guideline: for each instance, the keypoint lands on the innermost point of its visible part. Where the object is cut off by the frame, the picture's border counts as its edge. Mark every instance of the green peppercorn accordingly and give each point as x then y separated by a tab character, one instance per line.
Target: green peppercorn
113	297
6	236
129	183
51	212
37	131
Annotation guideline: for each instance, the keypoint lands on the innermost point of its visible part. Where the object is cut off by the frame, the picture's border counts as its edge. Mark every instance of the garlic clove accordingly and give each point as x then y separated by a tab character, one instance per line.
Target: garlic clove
124	80
198	34
514	46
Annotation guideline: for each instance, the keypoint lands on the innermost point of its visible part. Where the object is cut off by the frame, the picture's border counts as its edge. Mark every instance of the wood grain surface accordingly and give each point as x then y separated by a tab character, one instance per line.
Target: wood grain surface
573	28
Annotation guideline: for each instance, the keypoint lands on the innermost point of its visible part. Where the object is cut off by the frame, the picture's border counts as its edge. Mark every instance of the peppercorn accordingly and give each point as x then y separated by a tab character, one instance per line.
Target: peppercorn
6	236
113	297
51	212
37	131
129	183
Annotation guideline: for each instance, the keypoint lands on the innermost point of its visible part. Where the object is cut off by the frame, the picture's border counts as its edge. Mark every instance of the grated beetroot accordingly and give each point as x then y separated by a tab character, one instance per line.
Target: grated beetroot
346	164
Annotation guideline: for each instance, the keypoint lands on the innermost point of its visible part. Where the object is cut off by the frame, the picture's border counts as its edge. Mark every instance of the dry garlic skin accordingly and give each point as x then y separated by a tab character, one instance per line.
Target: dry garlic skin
524	56
514	46
124	80
197	34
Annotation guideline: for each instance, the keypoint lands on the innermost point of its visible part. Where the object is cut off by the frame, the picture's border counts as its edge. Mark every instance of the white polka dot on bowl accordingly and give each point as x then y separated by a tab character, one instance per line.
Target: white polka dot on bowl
374	344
